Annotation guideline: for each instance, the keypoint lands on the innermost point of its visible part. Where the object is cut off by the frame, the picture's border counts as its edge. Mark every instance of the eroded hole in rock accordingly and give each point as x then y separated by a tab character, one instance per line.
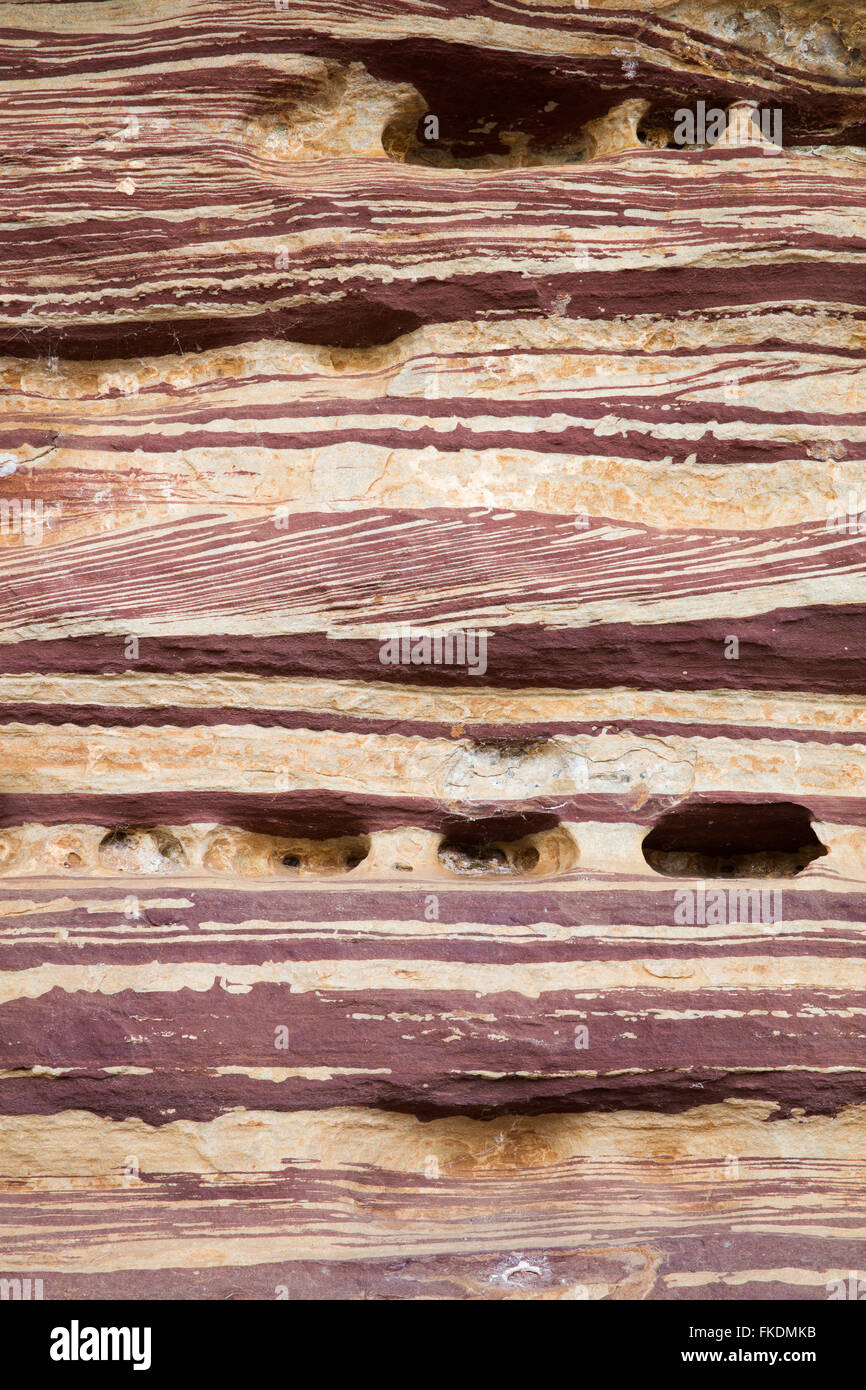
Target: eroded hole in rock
481	859
336	856
514	108
495	847
497	119
67	851
248	854
731	840
435	107
139	850
569	130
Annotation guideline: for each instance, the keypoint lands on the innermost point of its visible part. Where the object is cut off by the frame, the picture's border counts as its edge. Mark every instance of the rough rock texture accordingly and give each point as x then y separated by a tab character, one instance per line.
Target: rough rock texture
329	977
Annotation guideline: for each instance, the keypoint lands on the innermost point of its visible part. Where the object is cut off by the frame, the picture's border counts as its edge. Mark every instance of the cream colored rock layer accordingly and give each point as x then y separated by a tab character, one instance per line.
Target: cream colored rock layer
459	363
476	704
42	759
39	1149
682	976
580	856
621	1186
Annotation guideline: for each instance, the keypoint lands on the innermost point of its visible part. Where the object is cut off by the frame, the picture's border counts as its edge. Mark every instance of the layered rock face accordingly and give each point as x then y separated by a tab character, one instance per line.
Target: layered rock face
432	691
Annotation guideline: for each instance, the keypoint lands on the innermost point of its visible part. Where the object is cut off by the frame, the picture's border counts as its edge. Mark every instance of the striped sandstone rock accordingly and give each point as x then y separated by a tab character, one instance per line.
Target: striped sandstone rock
324	974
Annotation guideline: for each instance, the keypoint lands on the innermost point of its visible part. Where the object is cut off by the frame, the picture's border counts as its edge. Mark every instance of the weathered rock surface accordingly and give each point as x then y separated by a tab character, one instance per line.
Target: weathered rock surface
343	976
